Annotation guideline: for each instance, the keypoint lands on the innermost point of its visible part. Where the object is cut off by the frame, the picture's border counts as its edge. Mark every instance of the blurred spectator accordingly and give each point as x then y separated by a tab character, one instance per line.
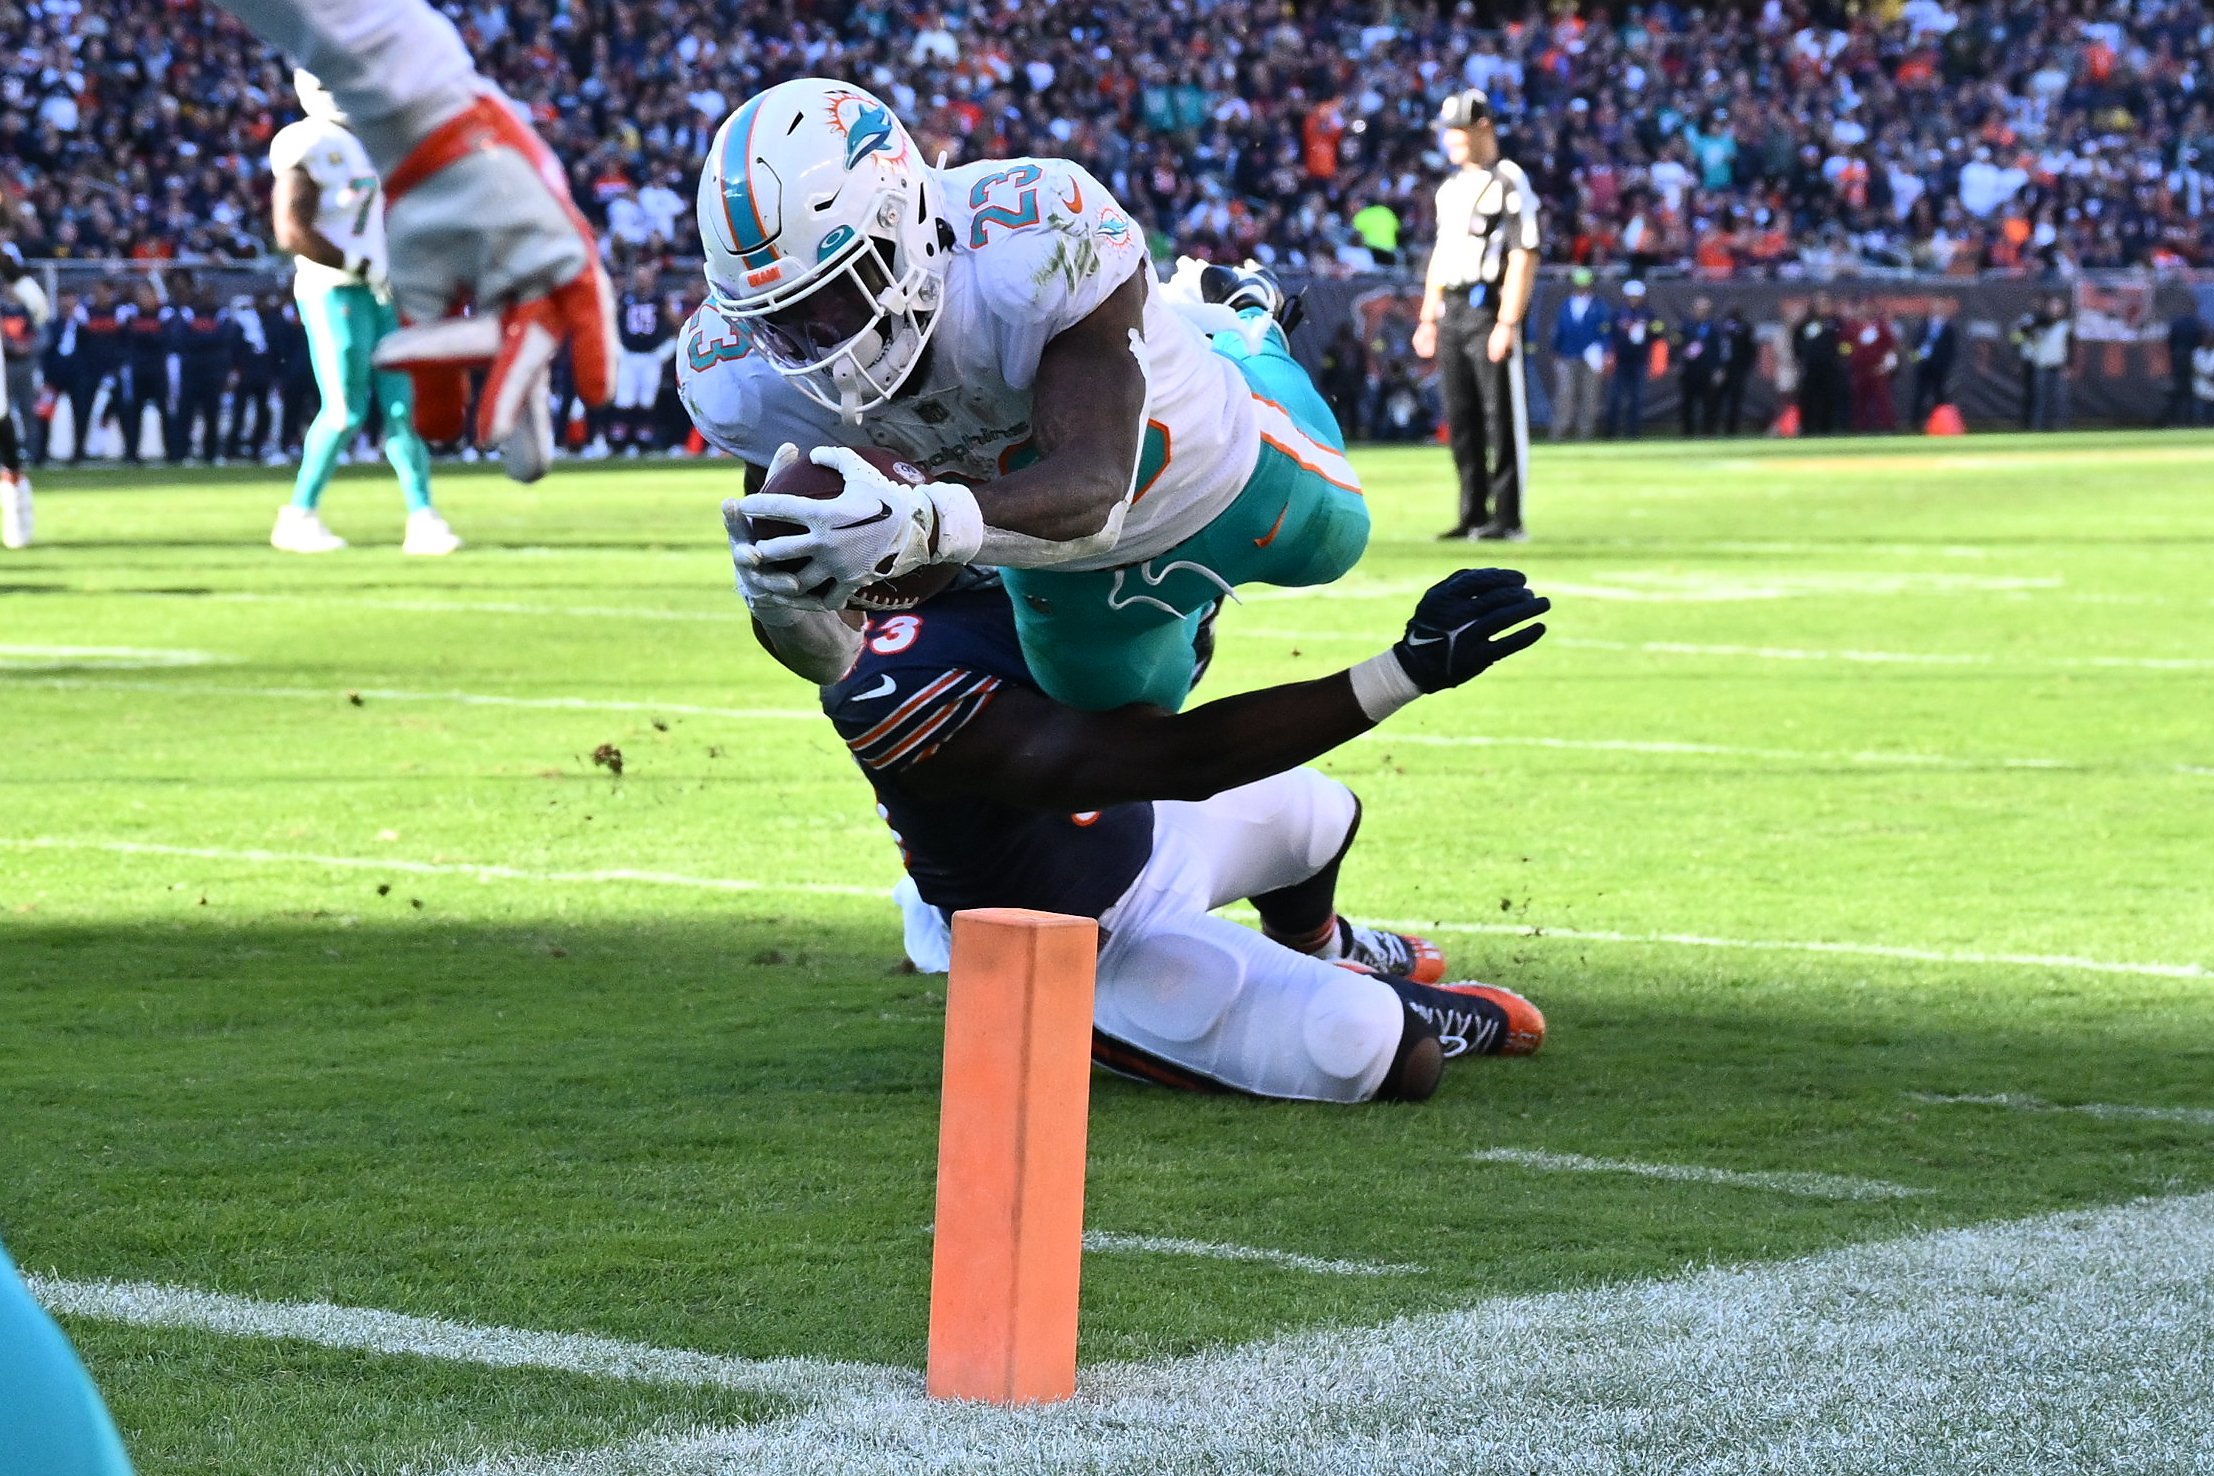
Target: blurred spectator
1820	347
2202	378
254	367
1934	350
1344	379
1630	358
2185	332
1581	329
2051	355
1699	370
1738	355
1951	135
1872	364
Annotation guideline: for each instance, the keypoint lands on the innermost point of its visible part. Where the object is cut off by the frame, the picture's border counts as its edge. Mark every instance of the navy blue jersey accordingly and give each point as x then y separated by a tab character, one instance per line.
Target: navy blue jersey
922	677
640	324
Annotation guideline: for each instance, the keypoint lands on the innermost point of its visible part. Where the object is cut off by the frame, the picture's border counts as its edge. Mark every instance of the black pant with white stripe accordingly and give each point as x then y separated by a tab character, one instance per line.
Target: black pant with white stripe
1486	416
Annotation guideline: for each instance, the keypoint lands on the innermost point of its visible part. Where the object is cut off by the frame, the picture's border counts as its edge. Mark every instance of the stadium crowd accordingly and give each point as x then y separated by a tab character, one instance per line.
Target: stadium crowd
1945	135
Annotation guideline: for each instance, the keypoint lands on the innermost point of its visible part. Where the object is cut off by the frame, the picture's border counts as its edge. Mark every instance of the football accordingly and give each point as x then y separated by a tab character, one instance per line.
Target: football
805	479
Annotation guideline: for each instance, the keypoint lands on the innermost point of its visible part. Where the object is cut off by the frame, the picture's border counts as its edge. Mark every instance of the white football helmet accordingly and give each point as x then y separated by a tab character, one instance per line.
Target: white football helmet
823	234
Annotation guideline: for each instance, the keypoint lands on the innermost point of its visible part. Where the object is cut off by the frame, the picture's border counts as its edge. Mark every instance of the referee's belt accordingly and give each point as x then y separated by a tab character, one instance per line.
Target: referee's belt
1475	294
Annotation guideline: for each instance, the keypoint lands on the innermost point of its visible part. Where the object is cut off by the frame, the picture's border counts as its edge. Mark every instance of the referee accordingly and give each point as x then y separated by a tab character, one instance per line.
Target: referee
1478	288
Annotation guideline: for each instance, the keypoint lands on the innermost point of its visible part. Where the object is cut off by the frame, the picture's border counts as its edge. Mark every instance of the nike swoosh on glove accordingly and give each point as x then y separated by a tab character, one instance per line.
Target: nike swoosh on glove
479	216
876	528
1465	624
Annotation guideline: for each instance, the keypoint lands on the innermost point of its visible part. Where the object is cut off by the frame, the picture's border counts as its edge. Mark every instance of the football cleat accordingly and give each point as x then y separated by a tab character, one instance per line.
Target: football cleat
1505	1023
428	535
15	509
300	531
1251	286
1403	954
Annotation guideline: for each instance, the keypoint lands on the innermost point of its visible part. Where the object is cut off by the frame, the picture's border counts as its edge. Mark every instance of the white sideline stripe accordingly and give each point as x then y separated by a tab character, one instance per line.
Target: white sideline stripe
441	868
102	658
1716	750
1909	1355
833	889
1113	1242
1648	587
2120	1111
1810	1186
1773	945
470	607
388	694
804	714
1796	653
368	1330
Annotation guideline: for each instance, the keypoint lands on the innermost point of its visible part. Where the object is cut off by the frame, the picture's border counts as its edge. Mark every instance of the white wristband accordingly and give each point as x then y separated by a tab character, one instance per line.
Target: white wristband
960	523
1381	685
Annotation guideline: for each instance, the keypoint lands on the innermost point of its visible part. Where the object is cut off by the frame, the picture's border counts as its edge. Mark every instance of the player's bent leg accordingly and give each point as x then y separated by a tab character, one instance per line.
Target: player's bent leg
1265	836
1204	1001
53	1421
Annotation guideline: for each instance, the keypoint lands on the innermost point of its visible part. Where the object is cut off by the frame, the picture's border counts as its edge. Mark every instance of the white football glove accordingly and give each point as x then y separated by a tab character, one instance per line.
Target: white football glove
875	529
767	605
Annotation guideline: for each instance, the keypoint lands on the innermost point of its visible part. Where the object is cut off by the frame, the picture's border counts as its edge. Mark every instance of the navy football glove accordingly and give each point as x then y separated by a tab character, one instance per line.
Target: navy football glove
1465	623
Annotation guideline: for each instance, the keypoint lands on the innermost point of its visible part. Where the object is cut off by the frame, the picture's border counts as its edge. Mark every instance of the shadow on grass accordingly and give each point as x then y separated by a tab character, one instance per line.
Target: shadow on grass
720	1134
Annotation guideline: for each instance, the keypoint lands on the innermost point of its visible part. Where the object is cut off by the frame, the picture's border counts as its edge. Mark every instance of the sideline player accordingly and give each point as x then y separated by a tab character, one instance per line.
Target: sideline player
1000	323
647	340
329	217
998	796
22	323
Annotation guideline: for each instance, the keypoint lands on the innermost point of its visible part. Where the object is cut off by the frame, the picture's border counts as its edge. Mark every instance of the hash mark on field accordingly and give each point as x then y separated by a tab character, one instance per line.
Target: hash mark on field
368	1330
2194	1116
1109	1241
1810	1186
1714	750
836	889
1796	653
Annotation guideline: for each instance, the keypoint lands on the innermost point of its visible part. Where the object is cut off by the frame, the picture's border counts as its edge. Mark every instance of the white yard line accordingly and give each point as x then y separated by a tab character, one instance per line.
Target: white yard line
150	1304
1662	747
102	658
390	694
1535	933
2118	1111
482	872
1921	1354
1797	653
478	607
1806	1185
1112	1242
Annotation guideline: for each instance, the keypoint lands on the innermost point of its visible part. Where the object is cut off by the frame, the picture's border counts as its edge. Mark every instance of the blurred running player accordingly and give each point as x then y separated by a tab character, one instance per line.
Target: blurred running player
999	796
477	214
1000	323
647	341
329	216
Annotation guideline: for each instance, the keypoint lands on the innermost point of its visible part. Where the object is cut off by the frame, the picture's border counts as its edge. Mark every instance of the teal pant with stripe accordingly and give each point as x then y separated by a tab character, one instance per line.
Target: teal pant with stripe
1109	637
52	1422
343	325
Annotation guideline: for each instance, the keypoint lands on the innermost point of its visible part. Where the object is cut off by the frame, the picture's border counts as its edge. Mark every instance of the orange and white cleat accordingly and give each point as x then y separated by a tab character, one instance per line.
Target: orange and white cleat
1402	954
1517	1030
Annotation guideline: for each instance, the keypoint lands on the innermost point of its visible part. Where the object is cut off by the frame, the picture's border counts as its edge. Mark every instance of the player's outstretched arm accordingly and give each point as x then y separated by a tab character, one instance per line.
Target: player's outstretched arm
1027	749
479	213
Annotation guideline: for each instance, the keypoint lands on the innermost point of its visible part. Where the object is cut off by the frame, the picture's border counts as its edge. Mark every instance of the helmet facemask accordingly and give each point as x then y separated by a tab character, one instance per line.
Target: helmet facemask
850	333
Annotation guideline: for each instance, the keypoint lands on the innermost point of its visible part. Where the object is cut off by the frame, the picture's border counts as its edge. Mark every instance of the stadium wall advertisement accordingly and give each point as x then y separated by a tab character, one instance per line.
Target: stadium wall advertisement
2121	374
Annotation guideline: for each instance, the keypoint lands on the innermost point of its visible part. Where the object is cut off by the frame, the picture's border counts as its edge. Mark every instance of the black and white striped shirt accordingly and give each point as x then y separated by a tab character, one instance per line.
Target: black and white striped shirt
1482	215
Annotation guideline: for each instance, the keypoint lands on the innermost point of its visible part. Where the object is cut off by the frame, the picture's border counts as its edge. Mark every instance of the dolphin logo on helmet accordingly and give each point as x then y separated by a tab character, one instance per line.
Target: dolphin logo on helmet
870	132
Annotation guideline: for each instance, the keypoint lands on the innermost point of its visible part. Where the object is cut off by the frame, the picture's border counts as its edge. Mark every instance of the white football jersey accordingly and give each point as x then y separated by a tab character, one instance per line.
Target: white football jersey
1038	245
349	209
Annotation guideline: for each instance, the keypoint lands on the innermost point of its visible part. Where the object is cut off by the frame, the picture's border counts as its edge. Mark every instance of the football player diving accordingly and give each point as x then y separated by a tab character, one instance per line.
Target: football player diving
1000	796
1000	326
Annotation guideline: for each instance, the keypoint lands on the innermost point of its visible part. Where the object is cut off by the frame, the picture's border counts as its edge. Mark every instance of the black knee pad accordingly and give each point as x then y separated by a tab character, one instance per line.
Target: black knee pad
1417	1066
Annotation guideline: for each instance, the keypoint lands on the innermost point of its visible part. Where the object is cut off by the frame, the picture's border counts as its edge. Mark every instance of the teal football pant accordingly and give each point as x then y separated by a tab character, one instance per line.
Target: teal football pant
52	1422
343	325
1109	637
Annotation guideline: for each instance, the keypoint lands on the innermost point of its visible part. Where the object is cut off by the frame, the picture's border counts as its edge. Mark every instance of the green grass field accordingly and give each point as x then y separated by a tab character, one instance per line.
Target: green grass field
319	984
